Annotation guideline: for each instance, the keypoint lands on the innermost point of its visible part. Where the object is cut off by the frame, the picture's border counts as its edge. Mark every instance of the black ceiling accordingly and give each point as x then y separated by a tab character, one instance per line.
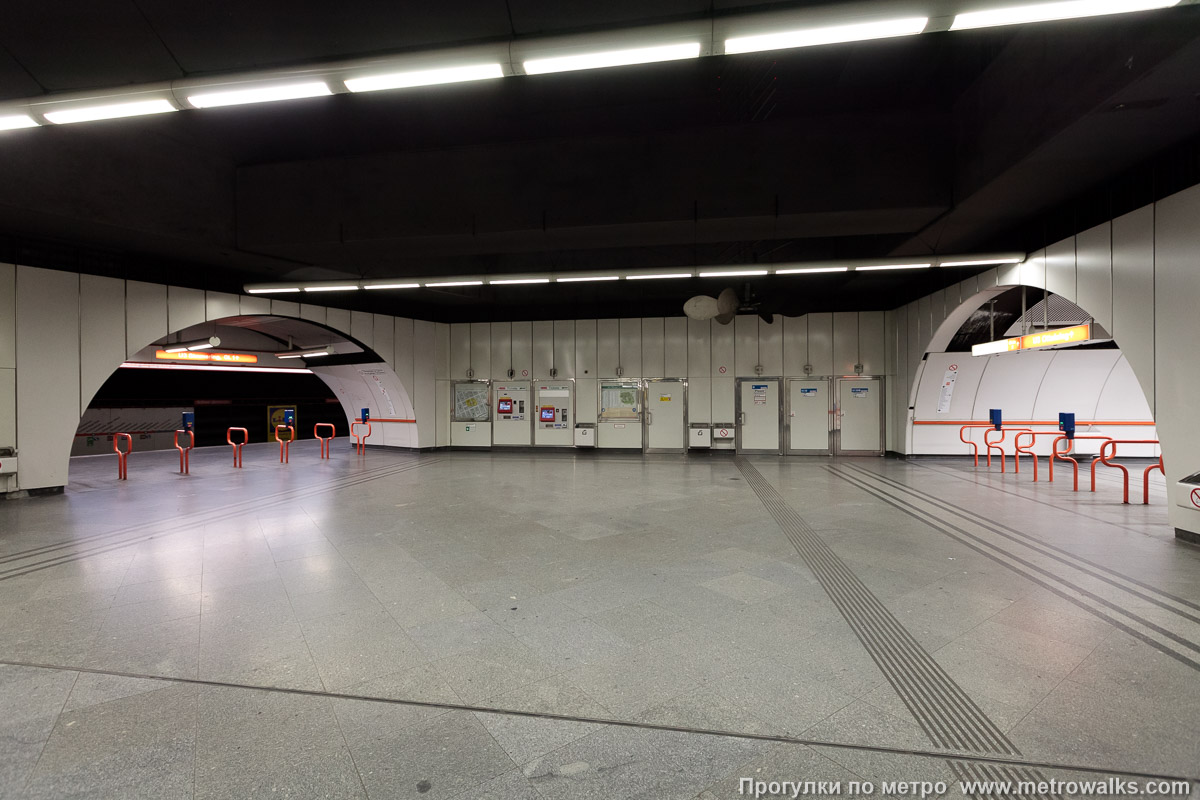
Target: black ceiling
940	143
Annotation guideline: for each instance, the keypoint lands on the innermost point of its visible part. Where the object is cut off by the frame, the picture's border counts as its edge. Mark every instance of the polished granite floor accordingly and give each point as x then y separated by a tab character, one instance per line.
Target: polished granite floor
518	625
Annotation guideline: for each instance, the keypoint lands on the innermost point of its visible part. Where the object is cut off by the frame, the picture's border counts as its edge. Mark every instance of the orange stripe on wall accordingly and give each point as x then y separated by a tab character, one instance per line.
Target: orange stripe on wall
1025	422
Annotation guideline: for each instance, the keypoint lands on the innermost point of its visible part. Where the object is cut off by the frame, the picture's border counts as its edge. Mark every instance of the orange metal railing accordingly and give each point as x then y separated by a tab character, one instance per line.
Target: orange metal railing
360	438
122	457
1074	464
237	446
996	445
1104	459
285	445
185	452
325	440
1020	449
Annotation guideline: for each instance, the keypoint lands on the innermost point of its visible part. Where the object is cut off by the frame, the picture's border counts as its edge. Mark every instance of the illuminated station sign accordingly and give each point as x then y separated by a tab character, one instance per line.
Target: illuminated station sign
1075	335
207	357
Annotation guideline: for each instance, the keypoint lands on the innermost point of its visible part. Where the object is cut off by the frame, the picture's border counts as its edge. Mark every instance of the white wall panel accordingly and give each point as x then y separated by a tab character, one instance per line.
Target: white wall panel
8	317
745	344
721	344
872	346
543	349
460	349
481	349
284	308
383	335
48	385
311	313
522	349
501	335
820	343
675	347
585	348
937	309
1073	382
1008	275
102	332
1033	271
699	348
217	305
441	398
252	304
1133	294
441	350
795	345
608	347
1060	269
424	397
699	399
722	400
185	307
1121	398
631	347
145	314
845	342
1007	382
1093	270
586	397
770	346
8	407
362	328
338	319
653	348
403	349
564	348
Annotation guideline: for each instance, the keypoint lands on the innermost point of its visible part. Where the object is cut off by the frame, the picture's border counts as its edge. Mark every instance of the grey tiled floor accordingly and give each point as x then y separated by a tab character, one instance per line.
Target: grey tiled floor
515	625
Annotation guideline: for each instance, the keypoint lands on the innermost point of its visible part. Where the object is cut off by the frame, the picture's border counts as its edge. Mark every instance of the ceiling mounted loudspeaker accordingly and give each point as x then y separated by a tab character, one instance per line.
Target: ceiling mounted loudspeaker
723	308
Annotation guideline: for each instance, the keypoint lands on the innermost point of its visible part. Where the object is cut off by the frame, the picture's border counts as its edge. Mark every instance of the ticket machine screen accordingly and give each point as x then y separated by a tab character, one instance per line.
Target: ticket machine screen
504	406
547	414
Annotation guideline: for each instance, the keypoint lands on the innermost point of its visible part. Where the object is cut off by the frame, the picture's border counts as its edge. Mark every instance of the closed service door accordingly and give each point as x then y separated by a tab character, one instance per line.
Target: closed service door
758	415
666	417
860	416
808	418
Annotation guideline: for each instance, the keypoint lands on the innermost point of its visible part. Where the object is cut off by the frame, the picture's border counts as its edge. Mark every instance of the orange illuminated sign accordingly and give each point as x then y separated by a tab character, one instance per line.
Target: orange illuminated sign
1080	333
211	358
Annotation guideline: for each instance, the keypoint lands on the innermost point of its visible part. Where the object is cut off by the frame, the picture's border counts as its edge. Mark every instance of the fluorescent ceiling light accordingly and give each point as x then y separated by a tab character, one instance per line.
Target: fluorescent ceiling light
513	281
260	94
613	58
990	348
195	344
810	269
892	266
110	111
11	122
424	77
583	280
214	368
809	37
1044	12
982	262
302	353
348	287
457	283
282	290
657	277
733	274
392	286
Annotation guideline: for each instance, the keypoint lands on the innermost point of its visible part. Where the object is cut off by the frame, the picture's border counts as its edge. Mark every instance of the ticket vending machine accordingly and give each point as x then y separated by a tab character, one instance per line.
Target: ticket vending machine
471	416
555	405
619	423
512	424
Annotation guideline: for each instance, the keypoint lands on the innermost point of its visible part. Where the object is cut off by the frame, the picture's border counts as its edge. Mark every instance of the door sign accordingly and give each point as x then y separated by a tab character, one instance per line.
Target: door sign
859	393
760	393
943	406
808	394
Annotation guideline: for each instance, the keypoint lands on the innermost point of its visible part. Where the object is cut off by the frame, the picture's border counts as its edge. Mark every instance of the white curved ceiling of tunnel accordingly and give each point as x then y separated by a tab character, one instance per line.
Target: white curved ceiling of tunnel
270	334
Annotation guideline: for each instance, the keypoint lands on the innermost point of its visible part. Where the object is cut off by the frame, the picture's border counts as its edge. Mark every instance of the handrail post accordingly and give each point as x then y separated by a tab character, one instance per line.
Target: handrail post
122	457
324	440
1146	479
285	445
237	446
361	438
185	452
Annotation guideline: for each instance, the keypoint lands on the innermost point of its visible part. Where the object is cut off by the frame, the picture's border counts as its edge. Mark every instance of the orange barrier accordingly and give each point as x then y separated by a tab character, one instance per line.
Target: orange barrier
1125	471
323	439
1146	479
1028	450
361	438
122	458
990	445
974	447
285	446
185	452
1054	422
1074	464
237	446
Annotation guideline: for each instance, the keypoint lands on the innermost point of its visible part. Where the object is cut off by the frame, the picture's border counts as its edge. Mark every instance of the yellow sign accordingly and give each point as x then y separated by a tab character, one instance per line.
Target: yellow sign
275	417
218	358
665	398
1079	333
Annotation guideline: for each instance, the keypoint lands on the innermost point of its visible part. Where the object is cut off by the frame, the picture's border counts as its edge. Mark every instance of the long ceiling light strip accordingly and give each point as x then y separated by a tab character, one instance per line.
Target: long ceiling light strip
1048	12
676	41
214	368
793	268
613	58
836	34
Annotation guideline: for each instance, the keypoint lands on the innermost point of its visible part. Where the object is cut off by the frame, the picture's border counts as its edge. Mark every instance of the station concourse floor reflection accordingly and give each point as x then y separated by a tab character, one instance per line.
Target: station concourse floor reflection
553	625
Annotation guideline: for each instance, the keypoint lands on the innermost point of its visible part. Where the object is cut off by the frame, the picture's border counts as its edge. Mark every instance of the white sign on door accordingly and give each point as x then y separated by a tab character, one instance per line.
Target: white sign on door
943	406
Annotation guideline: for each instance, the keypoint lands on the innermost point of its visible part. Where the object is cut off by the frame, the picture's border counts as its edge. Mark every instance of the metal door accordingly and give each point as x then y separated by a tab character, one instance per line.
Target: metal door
859	417
666	415
759	415
810	416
